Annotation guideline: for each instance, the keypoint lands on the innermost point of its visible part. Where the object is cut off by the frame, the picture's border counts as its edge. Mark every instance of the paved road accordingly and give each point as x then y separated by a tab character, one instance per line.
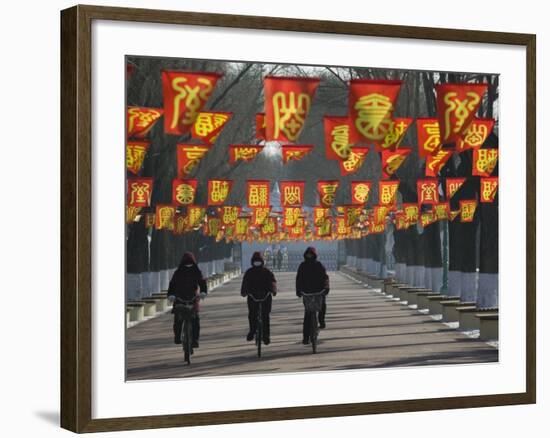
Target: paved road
364	329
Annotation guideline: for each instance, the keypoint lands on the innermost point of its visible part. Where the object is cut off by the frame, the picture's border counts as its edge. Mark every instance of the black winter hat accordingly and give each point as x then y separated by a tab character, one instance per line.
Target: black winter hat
310	250
257	256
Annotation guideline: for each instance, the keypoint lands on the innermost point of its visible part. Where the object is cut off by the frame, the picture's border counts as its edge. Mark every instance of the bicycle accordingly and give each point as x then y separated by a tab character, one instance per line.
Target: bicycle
258	333
312	304
185	309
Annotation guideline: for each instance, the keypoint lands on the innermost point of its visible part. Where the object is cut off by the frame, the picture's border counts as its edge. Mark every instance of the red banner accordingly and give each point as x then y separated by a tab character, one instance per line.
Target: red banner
452	186
427	218
257	193
139	192
387	192
243	152
339	136
457	105
135	154
392	160
352	214
209	125
181	224
379	214
260	126
230	214
213	226
411	212
453	215
435	162
427	190
467	210
355	160
327	192
325	228
164	217
488	189
149	220
287	104
395	135
484	161
184	191
218	191
132	213
319	215
140	120
241	226
270	227
295	152
260	214
195	215
291	215
371	105
360	191
189	156
476	134
441	211
292	193
429	139
185	94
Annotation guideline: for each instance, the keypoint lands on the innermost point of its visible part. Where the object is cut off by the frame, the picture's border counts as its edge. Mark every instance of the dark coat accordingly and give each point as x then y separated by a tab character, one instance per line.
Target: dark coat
258	281
186	281
311	277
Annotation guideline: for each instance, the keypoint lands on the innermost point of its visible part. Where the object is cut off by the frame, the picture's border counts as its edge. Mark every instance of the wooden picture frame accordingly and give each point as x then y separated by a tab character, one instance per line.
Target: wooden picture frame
76	218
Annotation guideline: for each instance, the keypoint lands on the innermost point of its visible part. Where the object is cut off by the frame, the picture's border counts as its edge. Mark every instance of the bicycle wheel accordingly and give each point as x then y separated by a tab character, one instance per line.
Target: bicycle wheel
314	332
259	331
187	341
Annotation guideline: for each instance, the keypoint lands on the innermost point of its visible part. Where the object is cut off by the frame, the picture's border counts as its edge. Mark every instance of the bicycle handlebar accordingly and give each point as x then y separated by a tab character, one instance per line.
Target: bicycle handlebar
322	291
256	300
192	301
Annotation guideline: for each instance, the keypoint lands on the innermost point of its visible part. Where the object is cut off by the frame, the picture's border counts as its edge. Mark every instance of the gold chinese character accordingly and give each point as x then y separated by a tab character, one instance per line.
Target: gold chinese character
460	109
258	195
185	193
374	116
191	97
486	160
290	111
340	141
434	137
140	193
292	195
361	193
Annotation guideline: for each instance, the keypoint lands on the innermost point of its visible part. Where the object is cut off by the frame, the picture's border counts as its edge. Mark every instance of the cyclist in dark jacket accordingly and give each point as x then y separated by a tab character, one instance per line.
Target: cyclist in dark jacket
186	283
258	281
311	278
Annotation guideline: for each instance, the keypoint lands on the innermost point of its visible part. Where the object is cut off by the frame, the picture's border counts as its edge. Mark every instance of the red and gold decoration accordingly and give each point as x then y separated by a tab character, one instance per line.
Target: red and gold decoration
339	137
453	215
327	192
243	152
295	152
484	161
441	211
257	193
181	224
140	120
260	214
230	214
184	191
319	215
429	138
392	160
209	125
411	212
149	220
269	226
241	226
427	191
195	215
218	191
325	228
213	226
132	213
291	216
292	193
164	217
135	154
427	218
371	105
287	104
260	126
395	135
488	189
379	214
467	210
476	134
185	94
435	162
139	192
355	160
453	185
360	191
189	156
457	105
387	192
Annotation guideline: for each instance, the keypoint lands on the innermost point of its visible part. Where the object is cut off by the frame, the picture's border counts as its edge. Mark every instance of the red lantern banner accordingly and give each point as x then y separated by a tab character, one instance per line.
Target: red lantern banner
339	136
387	192
488	189
325	228
355	160
140	120
181	224
395	135
209	125
360	191
185	94
291	215
435	162
375	228
241	226
195	215
319	215
184	191
135	154
411	213
260	214
392	160
295	152
327	192
371	105
429	138
484	161
341	227
453	185
149	220
243	152
379	214
441	211
352	215
164	217
453	215
287	104
230	214
269	227
260	126
400	220
218	191
213	226
427	218
457	105
188	157
467	210
139	191
132	213
476	134
427	191
257	193
292	193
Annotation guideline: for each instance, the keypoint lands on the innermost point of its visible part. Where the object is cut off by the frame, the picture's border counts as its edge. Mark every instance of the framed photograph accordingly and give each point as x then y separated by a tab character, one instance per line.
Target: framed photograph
269	219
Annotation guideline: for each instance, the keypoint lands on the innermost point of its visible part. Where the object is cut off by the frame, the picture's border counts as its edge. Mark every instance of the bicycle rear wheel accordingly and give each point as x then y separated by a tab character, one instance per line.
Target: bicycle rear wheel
187	340
314	332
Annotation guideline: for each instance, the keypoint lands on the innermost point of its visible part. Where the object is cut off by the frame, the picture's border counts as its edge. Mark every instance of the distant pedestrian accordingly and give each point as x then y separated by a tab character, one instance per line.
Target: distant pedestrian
279	258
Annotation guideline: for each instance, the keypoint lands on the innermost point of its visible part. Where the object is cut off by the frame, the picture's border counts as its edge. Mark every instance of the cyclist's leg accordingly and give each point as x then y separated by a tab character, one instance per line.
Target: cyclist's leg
252	315
323	312
306	327
178	321
266	325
